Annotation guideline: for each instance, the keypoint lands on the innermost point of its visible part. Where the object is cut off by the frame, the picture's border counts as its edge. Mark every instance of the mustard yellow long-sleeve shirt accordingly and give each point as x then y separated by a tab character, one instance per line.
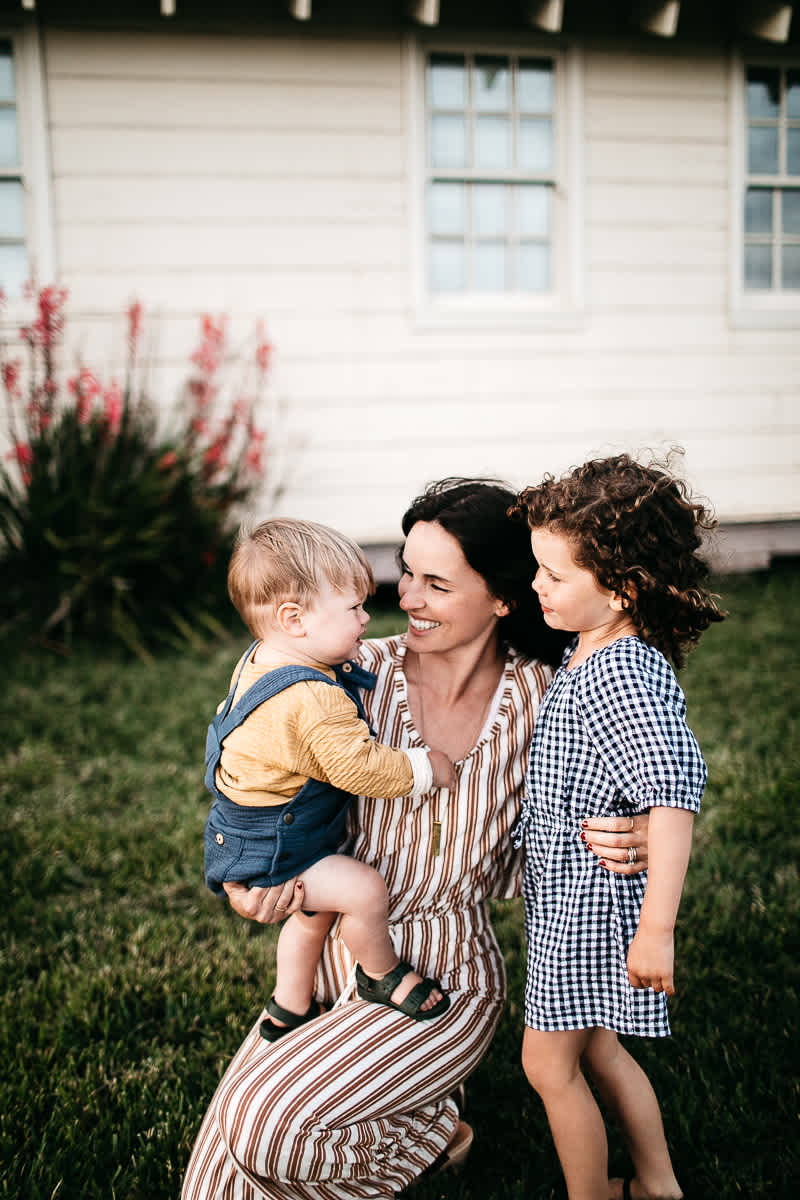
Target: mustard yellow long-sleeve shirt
310	731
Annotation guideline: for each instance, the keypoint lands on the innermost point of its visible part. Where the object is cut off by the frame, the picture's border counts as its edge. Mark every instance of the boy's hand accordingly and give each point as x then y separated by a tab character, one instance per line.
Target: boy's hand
444	774
651	960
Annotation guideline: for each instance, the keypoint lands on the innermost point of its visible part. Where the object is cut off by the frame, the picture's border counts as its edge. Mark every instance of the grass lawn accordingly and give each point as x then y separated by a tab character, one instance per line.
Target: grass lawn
127	987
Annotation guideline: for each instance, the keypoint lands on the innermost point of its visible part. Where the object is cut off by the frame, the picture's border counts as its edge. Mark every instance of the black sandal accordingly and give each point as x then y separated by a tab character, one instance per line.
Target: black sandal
270	1032
379	991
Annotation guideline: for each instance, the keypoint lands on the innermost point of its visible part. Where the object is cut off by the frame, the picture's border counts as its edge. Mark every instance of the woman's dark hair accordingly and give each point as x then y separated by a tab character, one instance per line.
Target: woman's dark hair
638	530
475	513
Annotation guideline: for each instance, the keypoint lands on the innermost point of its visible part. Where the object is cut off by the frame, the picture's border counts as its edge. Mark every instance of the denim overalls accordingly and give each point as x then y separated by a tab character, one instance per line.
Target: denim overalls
267	844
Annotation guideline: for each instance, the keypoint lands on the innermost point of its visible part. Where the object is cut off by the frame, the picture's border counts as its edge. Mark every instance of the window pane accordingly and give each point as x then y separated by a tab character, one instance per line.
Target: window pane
9	149
758	211
533	209
533	268
793	94
6	72
447	266
13	269
447	81
763	92
489	208
793	151
535	85
491	266
446	207
790	267
762	150
758	266
492	91
790	205
492	142
12	209
535	151
448	141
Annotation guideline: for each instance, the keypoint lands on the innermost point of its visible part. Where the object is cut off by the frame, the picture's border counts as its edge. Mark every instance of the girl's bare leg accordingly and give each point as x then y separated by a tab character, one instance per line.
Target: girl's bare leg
341	884
628	1093
552	1063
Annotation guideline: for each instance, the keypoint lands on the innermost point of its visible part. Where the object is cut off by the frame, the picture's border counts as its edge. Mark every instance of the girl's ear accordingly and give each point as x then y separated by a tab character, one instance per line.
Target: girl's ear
501	609
621	601
289	619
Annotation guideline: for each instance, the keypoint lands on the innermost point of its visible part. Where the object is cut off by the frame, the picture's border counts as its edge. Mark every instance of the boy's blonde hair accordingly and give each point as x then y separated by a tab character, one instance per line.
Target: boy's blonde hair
284	560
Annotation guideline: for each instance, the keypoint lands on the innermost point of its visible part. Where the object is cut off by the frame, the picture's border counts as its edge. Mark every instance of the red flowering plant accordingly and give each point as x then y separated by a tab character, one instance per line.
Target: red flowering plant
116	520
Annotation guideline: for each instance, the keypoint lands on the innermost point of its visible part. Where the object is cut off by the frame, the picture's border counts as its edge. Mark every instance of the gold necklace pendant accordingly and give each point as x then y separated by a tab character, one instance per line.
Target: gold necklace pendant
436	827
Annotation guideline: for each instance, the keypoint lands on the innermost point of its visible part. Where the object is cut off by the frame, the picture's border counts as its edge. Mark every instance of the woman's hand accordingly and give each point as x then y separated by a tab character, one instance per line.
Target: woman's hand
267	905
610	839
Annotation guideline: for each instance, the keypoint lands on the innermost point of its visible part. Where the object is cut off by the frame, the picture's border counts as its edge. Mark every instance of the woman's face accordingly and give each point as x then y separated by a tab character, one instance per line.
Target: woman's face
448	604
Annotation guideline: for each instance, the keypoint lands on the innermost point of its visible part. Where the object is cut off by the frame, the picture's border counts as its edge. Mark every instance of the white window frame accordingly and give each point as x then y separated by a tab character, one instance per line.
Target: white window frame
749	308
564	305
32	131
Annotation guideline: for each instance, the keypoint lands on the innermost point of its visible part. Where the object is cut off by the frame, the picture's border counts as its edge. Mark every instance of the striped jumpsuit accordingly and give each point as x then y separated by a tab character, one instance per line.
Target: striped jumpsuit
358	1102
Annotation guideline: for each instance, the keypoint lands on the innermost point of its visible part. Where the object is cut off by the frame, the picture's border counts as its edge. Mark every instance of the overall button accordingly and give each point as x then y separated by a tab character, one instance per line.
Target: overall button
347	667
219	839
288	818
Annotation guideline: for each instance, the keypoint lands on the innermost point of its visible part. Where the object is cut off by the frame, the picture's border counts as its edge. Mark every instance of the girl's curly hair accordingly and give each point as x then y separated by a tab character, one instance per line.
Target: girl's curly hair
638	530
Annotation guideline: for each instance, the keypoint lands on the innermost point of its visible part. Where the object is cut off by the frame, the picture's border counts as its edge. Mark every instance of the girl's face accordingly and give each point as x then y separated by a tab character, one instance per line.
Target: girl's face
570	596
448	603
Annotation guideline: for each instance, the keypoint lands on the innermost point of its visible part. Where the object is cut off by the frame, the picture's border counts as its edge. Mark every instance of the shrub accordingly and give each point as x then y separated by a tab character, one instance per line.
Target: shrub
116	521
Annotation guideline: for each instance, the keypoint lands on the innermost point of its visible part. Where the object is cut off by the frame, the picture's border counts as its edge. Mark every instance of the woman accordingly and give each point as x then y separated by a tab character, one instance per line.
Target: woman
359	1102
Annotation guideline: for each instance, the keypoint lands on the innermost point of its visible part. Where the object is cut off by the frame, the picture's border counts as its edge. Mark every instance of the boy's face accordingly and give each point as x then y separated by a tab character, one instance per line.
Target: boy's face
333	624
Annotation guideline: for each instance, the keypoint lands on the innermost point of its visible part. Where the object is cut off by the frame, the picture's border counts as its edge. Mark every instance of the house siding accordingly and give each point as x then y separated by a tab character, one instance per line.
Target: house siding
271	176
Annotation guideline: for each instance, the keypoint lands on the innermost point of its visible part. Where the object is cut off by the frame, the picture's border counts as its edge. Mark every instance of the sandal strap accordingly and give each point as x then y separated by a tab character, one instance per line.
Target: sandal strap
415	999
381	989
291	1019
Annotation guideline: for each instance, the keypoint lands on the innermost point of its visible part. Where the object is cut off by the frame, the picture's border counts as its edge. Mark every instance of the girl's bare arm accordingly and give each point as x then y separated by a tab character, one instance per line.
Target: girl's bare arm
651	953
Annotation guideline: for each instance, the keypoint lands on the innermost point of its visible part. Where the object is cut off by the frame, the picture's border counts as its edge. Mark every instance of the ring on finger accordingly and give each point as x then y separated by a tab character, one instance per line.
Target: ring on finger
632	855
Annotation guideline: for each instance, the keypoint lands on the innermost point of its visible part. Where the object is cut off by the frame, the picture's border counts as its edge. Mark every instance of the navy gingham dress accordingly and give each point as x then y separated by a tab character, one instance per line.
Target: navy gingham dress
610	740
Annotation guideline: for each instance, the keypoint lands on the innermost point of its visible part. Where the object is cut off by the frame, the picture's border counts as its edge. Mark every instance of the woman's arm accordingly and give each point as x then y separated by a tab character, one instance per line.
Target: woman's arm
267	905
610	838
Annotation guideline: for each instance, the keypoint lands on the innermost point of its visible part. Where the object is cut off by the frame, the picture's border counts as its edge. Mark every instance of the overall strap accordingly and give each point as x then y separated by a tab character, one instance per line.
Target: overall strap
245	660
349	676
229	718
265	688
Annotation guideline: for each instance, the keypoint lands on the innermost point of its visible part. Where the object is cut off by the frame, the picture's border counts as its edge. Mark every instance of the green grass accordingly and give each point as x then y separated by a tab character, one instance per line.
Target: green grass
126	987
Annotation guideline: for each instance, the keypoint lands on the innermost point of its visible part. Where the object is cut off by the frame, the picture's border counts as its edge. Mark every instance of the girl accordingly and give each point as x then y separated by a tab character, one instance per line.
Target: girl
616	544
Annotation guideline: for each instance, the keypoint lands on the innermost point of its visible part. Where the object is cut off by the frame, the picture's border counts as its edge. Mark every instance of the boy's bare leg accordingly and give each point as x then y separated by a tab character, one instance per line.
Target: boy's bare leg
341	884
628	1093
299	948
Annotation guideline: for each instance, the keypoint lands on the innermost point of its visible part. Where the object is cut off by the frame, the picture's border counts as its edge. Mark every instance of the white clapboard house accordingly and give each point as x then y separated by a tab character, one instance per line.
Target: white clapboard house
489	237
